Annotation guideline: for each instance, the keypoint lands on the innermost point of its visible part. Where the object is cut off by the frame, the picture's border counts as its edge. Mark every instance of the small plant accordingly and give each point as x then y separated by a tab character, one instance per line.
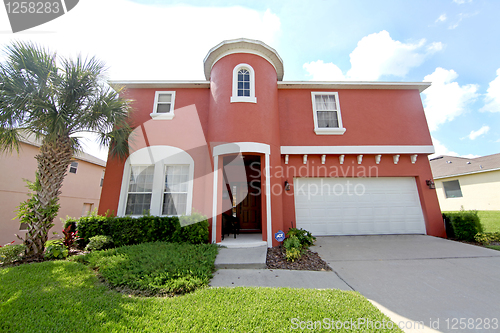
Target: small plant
99	242
486	238
293	254
293	248
11	252
70	237
55	249
306	239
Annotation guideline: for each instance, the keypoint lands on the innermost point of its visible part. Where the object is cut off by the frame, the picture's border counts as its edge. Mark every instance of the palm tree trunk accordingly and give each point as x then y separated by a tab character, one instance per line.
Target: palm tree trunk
53	161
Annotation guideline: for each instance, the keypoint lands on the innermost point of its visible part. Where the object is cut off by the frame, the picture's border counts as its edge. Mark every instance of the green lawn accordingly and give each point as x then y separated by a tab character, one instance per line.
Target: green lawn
64	296
490	219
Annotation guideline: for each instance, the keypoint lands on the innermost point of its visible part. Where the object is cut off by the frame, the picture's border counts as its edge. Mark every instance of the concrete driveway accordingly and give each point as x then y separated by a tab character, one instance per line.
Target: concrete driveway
421	278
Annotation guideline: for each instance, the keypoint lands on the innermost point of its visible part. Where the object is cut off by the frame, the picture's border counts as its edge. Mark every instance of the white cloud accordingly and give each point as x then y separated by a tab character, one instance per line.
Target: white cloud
492	97
376	55
440	149
140	41
319	71
441	18
460	2
475	134
445	99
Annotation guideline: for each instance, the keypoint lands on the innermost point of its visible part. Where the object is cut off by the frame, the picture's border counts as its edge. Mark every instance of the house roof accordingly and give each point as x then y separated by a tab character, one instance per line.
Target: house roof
241	45
82	156
165	84
450	166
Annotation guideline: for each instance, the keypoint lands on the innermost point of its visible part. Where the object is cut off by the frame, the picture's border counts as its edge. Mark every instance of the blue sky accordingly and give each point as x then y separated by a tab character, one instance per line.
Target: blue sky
451	43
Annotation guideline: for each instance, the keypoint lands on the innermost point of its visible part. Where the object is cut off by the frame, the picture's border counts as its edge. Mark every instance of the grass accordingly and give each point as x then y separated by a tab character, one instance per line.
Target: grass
494	247
155	268
490	219
64	296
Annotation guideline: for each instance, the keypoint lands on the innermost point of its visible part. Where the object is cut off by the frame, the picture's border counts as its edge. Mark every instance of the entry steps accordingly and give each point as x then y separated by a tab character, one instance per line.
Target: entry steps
247	257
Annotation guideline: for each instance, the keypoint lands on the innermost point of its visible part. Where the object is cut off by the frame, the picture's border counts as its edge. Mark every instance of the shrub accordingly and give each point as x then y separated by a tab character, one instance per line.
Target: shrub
99	242
306	239
11	252
486	238
155	268
70	237
129	231
293	248
465	224
55	249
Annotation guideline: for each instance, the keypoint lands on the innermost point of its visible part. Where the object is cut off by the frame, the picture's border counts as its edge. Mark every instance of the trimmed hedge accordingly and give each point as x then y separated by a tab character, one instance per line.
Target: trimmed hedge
465	224
129	231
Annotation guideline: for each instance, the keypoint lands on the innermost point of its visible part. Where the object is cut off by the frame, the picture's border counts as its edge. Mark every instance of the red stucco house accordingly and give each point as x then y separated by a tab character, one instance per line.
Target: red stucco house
335	158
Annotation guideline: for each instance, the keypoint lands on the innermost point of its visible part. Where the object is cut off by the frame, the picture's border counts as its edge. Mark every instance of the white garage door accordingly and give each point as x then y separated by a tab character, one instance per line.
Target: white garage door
358	206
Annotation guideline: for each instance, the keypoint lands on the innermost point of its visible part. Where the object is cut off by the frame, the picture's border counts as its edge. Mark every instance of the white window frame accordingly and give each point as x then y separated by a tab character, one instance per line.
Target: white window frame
327	131
159	156
163	191
459	189
128	184
245	99
163	116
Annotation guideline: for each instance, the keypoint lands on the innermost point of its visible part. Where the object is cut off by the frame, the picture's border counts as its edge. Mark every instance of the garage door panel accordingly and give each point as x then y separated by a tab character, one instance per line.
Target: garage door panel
359	206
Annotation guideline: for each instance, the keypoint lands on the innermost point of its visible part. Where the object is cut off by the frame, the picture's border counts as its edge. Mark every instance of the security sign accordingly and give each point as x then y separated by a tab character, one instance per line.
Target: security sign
279	236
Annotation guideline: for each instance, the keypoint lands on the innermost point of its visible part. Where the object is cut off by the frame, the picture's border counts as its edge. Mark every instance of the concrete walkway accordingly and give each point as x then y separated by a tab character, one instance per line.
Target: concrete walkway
411	278
420	278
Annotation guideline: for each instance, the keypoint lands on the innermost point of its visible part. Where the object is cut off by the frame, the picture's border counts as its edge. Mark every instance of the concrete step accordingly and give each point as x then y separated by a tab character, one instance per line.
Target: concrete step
251	257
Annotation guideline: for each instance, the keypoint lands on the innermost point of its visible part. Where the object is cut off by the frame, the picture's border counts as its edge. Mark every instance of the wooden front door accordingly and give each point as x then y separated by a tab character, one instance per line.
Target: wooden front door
249	209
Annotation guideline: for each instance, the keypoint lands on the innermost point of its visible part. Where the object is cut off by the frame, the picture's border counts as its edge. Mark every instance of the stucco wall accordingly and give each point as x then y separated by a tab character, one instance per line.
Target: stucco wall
78	189
480	191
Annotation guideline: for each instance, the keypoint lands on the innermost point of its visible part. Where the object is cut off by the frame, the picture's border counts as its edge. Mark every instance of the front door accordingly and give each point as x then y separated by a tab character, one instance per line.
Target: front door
249	209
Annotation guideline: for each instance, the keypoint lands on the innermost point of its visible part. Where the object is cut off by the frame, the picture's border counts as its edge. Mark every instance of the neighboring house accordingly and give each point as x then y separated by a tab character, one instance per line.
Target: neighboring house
468	183
81	188
335	158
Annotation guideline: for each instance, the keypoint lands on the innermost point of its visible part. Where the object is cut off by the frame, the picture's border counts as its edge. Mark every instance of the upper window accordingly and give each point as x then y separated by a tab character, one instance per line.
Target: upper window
243	84
73	167
326	113
164	105
452	189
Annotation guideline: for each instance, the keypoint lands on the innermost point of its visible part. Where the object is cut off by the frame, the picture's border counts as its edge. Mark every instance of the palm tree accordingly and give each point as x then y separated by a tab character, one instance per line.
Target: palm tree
53	100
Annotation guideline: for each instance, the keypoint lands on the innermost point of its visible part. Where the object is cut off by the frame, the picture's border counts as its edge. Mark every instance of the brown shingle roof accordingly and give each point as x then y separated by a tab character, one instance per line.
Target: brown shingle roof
446	166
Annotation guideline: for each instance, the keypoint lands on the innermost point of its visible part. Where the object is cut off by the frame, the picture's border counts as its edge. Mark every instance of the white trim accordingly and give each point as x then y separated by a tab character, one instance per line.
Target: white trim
163	116
243	45
304	159
378	158
395	159
241	147
322	130
329	131
159	156
360	159
268	203
248	99
420	86
413	158
160	84
236	148
214	199
357	150
466	173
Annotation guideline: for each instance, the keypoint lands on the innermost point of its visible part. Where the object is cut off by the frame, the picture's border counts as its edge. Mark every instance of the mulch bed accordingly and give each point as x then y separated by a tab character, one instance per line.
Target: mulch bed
310	261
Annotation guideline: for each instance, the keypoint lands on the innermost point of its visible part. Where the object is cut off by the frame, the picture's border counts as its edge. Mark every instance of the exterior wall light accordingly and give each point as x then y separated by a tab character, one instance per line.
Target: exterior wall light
287	185
430	183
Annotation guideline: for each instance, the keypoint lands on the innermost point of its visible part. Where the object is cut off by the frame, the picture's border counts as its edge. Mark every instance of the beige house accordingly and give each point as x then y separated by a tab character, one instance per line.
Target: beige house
81	189
471	183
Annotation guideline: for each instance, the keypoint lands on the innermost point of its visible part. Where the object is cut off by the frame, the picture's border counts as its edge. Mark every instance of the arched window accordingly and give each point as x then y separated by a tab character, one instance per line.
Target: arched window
243	84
